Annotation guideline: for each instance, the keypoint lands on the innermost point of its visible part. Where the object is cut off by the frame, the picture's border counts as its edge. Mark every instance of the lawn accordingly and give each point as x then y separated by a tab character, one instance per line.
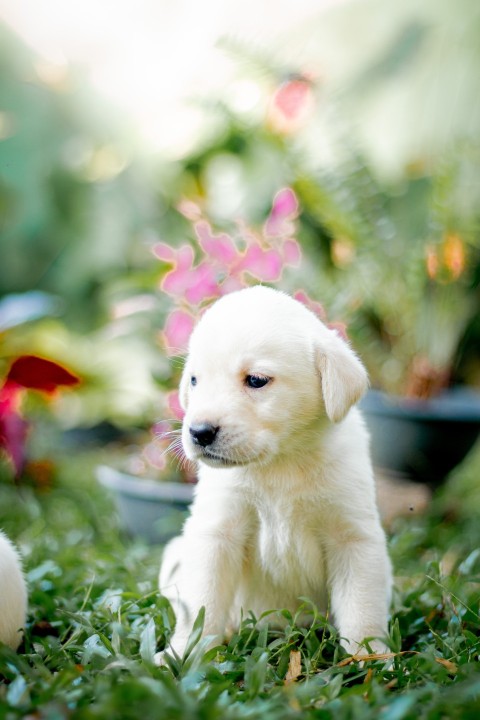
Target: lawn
96	620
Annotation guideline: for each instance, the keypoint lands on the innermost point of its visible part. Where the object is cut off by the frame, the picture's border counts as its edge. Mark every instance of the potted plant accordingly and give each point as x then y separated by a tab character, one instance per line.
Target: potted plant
415	324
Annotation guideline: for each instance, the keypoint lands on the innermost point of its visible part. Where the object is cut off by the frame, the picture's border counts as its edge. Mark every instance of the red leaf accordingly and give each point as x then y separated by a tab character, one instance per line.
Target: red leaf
36	373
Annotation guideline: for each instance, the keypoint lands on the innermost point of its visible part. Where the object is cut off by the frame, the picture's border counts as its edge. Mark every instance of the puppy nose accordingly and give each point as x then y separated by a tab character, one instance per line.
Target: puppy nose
203	434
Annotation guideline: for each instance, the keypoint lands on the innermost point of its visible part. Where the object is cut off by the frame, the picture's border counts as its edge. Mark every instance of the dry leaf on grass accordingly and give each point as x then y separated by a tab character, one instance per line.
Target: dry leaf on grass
362	658
447	664
294	667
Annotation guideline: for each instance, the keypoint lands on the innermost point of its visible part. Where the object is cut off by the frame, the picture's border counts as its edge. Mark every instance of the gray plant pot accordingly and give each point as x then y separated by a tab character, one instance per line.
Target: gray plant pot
150	509
422	440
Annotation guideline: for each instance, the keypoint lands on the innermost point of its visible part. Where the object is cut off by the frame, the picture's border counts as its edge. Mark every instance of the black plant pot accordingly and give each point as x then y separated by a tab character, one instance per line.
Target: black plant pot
422	440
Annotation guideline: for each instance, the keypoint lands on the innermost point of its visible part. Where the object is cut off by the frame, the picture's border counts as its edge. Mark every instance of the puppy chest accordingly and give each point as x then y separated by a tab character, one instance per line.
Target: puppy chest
287	546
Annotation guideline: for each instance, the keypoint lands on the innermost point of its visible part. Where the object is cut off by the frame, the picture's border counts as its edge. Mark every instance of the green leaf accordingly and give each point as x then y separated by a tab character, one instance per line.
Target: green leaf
395	637
94	645
17	692
196	633
256	673
148	642
263	637
399	708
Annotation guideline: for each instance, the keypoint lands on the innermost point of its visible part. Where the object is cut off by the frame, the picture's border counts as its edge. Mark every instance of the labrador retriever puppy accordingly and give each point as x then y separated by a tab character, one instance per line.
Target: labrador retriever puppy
13	595
285	504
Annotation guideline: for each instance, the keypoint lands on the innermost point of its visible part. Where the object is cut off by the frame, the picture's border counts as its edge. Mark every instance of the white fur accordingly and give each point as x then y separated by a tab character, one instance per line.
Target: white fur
285	503
13	594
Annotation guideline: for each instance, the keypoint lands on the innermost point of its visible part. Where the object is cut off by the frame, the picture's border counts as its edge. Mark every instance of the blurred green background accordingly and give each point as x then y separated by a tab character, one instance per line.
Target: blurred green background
369	110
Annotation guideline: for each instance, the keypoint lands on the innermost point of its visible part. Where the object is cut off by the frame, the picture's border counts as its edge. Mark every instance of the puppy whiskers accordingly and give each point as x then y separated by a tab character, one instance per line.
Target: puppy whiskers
175	448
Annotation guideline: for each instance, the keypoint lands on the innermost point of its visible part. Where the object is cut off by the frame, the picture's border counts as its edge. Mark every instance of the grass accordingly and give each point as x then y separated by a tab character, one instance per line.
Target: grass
95	620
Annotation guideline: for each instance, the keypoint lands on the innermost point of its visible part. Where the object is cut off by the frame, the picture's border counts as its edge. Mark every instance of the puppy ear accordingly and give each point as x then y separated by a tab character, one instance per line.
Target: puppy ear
344	378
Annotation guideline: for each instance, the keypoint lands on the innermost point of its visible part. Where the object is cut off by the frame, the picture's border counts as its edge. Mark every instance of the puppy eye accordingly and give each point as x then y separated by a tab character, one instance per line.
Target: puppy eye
193	381
256	381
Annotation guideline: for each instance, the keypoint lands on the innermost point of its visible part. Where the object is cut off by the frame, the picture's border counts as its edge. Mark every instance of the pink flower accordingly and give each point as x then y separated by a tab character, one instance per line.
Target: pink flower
291	251
264	265
177	331
292	97
201	284
312	305
189	209
164	252
340	328
232	283
219	248
291	105
177	280
155	455
184	281
161	428
284	209
173	404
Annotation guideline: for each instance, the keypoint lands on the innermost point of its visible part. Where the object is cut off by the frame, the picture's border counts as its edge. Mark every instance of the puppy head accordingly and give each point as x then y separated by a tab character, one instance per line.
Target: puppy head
261	370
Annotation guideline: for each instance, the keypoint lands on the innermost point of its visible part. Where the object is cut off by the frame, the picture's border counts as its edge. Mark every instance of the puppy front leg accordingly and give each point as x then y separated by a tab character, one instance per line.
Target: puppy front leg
205	573
360	585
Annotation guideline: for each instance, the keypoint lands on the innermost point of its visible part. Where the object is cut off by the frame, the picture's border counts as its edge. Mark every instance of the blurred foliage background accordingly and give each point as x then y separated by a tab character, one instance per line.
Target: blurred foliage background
369	110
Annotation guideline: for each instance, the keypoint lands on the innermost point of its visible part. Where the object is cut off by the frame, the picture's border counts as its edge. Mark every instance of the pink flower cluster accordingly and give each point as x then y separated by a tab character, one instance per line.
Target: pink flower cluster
227	264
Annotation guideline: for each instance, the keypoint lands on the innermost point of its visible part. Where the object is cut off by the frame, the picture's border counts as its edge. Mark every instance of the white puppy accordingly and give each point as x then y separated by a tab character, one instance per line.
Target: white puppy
13	595
285	503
